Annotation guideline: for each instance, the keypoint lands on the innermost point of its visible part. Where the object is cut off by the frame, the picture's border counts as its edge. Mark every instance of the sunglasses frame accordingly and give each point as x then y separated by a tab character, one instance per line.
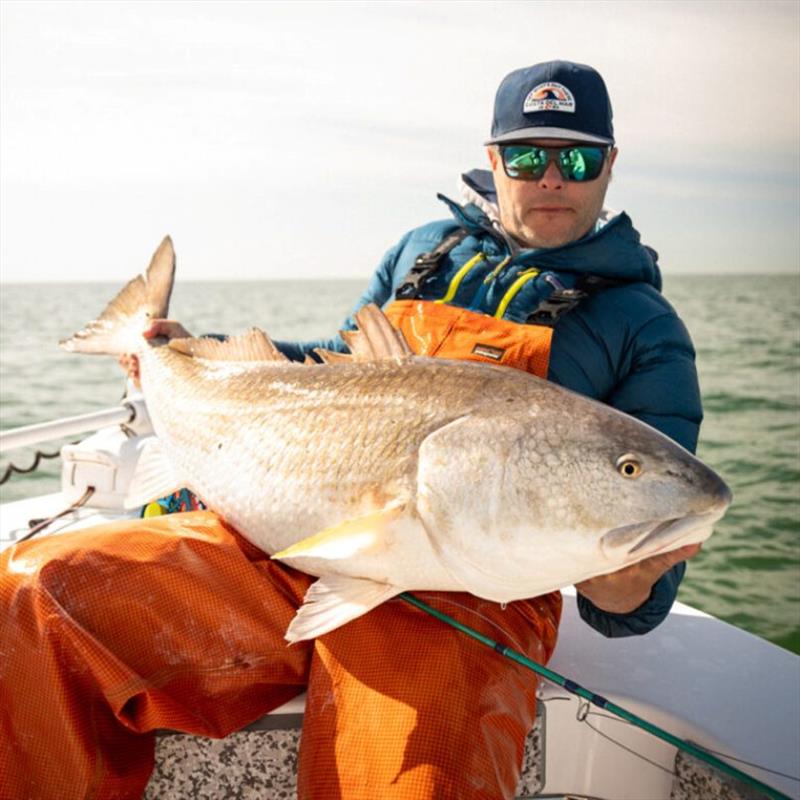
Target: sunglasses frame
554	156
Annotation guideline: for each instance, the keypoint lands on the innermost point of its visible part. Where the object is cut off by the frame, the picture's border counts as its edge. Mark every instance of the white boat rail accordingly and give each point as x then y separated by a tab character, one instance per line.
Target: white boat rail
123	414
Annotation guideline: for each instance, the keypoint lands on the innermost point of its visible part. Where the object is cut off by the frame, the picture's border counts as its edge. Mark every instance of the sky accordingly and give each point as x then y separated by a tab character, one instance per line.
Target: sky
301	140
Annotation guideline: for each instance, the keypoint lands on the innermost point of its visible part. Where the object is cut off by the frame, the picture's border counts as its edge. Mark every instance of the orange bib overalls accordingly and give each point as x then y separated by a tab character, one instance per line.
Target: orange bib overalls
444	331
177	622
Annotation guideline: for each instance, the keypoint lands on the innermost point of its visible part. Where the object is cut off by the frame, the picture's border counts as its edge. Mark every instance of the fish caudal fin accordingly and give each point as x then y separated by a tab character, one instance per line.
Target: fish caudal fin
120	327
335	600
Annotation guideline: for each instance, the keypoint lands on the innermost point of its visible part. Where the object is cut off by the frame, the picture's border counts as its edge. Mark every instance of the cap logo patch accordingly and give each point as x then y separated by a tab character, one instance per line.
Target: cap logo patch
549	96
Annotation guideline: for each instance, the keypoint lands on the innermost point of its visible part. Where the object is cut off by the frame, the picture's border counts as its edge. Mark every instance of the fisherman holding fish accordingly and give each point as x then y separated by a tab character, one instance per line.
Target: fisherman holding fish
179	621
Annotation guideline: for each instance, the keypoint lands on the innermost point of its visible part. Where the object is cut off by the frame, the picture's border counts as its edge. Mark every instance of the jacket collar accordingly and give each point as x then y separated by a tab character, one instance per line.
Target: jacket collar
613	250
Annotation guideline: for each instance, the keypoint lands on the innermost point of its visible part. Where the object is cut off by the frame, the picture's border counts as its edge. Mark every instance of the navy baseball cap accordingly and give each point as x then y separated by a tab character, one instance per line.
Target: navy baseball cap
553	100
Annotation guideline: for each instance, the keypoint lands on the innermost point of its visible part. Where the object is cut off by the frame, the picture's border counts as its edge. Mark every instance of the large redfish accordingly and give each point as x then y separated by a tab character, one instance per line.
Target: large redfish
383	471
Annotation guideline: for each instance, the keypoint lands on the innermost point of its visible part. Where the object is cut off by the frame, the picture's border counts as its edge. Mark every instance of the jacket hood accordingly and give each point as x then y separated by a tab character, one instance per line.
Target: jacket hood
613	250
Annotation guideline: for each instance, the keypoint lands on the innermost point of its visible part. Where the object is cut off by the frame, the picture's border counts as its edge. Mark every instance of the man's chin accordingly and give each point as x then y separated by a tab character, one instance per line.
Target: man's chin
549	230
547	238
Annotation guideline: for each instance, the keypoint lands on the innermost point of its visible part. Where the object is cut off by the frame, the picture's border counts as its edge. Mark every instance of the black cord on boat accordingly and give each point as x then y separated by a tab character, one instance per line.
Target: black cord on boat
40	526
12	468
727	756
630	749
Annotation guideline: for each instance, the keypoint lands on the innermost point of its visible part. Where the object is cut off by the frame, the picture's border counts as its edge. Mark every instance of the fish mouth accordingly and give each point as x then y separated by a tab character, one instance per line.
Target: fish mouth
644	539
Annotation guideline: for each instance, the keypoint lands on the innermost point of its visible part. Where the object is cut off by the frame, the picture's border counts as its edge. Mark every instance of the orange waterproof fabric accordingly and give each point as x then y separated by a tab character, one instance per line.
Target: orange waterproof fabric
177	622
444	331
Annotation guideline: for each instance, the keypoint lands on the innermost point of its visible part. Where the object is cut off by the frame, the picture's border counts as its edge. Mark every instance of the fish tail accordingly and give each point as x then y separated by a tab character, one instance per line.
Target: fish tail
120	327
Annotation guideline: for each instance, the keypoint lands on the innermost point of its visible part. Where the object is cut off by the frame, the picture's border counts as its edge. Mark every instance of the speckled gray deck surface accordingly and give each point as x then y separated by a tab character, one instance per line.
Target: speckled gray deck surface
697	781
260	764
532	779
249	765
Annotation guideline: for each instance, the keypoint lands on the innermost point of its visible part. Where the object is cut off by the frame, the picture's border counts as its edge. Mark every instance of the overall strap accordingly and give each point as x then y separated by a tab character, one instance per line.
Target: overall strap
564	299
427	263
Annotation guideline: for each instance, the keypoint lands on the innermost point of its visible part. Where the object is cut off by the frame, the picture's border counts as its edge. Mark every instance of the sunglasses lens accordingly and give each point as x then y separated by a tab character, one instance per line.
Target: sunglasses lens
582	163
524	161
527	162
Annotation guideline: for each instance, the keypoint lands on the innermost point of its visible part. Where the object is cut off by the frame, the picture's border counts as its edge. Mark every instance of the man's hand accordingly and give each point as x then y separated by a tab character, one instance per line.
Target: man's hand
624	591
168	328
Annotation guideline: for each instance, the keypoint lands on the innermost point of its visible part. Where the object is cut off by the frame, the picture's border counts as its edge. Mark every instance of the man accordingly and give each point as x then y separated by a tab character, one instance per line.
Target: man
551	155
177	622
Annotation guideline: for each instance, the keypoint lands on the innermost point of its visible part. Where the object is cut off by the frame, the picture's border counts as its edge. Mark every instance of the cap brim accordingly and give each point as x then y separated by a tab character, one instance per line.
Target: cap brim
549	133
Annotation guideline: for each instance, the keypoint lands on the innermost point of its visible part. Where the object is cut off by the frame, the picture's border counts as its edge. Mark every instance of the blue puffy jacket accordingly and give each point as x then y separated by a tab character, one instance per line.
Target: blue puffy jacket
623	345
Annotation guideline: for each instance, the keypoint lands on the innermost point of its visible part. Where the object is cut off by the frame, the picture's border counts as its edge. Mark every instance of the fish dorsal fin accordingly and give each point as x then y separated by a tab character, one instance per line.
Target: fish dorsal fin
254	345
375	338
331	356
335	600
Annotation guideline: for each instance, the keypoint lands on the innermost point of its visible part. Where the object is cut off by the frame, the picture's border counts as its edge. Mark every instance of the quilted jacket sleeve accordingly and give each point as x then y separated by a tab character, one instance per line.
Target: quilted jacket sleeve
660	389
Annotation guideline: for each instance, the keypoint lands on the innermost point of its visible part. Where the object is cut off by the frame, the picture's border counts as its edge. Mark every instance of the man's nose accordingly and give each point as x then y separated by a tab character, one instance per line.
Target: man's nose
551	178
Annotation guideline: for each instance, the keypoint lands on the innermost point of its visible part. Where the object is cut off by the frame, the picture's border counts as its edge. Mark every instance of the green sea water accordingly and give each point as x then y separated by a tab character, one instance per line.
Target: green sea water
747	334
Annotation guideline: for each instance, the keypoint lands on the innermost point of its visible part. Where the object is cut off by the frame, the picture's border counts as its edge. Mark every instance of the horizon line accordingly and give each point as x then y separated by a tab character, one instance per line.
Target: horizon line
85	281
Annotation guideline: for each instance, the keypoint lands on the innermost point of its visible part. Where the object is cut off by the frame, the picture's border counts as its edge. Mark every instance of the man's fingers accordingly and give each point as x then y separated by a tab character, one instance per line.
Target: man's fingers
157	328
130	365
169	328
661	563
625	590
683	553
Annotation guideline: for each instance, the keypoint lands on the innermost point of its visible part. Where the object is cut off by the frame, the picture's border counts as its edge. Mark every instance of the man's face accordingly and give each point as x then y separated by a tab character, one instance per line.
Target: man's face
550	211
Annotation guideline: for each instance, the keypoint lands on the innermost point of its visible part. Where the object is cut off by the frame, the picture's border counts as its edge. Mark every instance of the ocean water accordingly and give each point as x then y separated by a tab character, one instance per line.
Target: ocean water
747	334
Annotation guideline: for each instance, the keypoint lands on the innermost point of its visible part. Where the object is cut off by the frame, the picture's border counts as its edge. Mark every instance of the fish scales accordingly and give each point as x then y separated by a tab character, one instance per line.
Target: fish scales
339	432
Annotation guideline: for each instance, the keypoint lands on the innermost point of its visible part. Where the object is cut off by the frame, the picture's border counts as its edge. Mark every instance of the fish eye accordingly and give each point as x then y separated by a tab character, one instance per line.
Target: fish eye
628	466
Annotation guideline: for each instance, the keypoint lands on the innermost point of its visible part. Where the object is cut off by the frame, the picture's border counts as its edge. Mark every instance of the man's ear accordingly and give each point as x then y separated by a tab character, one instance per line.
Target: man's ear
494	156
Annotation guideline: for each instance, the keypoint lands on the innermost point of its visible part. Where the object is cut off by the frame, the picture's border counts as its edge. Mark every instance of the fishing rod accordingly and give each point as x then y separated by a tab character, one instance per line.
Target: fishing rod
598	700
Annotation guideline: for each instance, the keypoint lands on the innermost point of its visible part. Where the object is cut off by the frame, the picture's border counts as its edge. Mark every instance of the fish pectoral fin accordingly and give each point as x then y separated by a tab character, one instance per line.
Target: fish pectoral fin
366	534
154	476
335	600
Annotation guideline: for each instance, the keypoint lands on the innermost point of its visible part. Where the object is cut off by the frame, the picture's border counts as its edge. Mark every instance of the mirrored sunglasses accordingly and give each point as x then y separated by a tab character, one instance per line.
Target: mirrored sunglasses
528	162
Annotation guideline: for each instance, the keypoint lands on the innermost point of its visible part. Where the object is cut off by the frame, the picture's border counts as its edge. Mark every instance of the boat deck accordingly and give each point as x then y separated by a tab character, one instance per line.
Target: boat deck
695	676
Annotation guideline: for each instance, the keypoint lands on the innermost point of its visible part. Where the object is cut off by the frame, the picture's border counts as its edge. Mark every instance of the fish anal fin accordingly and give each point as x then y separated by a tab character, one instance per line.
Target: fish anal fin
154	476
254	345
363	535
335	600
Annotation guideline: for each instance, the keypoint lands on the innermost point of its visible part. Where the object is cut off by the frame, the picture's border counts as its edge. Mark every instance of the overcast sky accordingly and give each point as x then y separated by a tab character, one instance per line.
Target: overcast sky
300	140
